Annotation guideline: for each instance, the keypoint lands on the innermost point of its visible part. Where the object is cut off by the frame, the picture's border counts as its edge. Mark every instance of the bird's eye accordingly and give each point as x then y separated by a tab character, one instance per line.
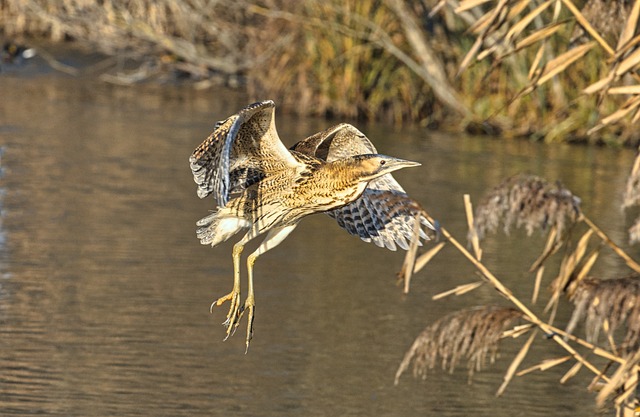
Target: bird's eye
382	162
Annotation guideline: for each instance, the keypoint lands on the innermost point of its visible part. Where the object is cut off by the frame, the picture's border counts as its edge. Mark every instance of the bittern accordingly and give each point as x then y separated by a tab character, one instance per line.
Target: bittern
261	186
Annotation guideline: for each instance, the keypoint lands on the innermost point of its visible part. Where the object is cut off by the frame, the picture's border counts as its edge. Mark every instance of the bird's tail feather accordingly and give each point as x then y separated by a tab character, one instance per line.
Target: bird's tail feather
218	227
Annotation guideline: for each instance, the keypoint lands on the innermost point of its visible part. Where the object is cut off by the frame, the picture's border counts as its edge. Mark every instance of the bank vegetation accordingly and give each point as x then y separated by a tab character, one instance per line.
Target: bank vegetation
552	70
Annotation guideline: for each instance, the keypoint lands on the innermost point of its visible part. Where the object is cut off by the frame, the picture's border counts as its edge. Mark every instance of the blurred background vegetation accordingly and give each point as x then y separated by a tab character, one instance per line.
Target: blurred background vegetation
549	70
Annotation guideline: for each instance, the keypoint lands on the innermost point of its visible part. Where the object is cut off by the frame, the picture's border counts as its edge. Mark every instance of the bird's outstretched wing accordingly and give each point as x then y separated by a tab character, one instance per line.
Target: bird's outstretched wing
242	150
384	214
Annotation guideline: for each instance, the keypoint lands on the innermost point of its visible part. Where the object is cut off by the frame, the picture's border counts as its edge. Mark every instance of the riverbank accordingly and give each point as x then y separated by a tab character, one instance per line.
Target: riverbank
454	68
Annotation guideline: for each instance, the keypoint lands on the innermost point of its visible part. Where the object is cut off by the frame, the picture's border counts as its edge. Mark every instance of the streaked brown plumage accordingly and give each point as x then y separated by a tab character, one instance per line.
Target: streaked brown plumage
261	186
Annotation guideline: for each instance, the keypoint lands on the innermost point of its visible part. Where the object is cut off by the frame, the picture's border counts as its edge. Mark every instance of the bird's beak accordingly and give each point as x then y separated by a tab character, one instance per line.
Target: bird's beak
407	164
397	163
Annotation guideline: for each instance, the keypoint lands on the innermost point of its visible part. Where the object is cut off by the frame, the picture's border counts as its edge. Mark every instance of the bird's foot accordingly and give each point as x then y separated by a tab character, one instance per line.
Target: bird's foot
236	312
233	317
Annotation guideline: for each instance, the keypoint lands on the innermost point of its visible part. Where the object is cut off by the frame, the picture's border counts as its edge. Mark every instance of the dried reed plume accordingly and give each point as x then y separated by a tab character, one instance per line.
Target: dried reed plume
472	334
608	305
529	201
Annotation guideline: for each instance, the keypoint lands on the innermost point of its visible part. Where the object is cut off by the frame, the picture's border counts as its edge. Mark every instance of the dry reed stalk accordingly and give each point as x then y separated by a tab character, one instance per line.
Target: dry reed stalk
412	263
608	305
584	23
530	202
551	247
471	334
606	17
459	290
567	275
545	365
517	360
573	371
623	384
631	263
626	56
552	68
410	258
536	285
473	235
427	256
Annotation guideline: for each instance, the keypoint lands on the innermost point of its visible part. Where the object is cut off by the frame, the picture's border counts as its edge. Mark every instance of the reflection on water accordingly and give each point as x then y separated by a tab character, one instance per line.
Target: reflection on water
104	289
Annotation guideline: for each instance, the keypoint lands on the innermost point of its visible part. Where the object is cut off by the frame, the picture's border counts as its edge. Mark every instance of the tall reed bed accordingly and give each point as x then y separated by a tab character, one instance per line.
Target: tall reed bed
532	68
334	65
539	68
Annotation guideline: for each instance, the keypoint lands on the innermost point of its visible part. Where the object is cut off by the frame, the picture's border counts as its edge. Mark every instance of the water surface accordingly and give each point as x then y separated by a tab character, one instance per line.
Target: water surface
105	291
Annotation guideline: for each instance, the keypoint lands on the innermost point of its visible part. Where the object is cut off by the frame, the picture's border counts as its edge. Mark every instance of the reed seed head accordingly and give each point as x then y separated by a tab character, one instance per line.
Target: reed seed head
527	201
472	334
615	301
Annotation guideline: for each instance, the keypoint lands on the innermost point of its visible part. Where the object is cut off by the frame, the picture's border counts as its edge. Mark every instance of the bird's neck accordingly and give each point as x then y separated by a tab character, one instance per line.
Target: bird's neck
329	185
346	172
344	180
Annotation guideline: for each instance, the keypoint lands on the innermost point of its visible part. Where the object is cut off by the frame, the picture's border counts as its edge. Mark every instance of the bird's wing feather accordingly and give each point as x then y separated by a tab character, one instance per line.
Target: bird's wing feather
384	217
384	214
337	142
241	150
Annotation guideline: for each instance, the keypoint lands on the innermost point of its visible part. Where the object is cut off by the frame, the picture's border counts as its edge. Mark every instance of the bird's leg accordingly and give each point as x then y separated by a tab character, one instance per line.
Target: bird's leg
233	317
274	237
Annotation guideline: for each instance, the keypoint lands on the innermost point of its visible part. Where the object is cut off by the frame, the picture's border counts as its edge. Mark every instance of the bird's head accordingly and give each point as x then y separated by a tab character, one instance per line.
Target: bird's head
371	166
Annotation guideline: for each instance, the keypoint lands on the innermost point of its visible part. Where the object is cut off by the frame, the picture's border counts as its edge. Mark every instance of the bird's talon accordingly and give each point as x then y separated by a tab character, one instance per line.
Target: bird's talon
233	316
251	307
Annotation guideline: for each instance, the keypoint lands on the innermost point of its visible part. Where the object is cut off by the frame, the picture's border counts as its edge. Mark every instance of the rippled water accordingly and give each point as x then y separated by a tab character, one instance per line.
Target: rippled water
104	290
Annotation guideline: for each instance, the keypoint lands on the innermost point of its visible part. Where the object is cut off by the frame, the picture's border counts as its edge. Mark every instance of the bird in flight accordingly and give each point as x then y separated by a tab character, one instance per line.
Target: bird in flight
262	187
